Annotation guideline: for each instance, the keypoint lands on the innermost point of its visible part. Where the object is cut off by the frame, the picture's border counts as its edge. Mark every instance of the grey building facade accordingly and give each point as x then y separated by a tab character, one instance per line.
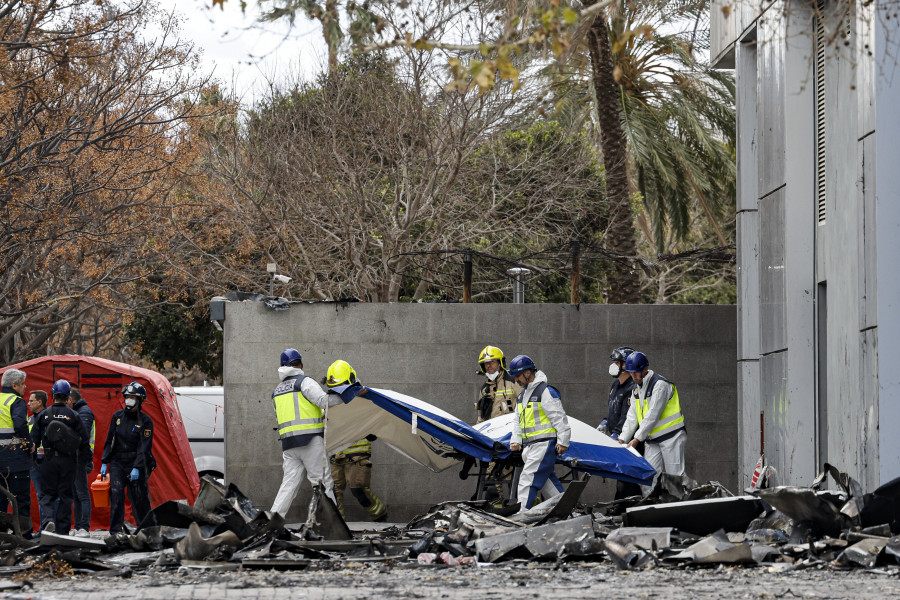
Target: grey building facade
818	226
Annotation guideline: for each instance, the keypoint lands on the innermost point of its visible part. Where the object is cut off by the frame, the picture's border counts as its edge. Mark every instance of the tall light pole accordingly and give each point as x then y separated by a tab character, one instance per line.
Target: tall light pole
518	276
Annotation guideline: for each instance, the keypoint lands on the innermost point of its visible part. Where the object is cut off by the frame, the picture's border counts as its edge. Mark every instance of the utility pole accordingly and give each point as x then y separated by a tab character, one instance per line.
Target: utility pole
576	273
467	277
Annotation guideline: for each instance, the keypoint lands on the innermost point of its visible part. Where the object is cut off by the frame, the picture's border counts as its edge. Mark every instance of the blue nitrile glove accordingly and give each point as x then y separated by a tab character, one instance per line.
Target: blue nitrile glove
103	468
615	436
135	474
603	422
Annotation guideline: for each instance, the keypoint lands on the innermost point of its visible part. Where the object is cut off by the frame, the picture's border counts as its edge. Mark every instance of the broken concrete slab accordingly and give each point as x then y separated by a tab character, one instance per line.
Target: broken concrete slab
544	541
700	517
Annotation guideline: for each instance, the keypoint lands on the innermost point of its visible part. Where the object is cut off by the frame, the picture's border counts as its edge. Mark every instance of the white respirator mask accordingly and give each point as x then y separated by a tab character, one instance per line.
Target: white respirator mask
614	370
493	376
130	403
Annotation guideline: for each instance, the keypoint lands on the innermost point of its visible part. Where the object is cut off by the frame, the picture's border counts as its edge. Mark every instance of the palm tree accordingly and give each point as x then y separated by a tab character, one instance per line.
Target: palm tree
666	120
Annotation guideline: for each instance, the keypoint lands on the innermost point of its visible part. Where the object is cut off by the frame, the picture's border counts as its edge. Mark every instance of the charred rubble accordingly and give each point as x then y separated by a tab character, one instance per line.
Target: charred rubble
680	524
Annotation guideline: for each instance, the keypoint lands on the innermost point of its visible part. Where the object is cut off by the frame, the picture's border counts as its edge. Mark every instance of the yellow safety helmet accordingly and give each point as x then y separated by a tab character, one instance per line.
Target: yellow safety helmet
491	353
340	373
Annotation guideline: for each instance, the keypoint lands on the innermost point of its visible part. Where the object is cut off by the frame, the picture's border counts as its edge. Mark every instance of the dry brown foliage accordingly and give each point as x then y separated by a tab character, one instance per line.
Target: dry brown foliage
90	121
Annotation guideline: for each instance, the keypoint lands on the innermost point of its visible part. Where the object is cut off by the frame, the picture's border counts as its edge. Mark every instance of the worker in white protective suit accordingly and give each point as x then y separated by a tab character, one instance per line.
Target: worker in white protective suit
300	403
541	432
655	418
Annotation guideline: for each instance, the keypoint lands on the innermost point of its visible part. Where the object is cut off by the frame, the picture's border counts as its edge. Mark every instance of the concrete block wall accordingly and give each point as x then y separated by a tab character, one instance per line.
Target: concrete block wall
430	350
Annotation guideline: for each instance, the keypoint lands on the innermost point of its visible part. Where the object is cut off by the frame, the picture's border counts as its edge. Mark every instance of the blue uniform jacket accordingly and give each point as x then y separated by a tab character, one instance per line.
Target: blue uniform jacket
619	401
130	440
59	412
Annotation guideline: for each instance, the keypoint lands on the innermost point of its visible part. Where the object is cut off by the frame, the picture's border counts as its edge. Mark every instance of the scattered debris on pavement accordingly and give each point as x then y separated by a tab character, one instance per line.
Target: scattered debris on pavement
680	524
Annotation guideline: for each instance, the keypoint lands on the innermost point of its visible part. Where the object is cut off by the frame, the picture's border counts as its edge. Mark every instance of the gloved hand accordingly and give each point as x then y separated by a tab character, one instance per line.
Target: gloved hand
135	475
103	469
603	427
614	436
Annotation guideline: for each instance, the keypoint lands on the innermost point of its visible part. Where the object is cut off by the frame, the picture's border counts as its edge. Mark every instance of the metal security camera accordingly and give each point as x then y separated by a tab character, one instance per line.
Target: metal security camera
282	278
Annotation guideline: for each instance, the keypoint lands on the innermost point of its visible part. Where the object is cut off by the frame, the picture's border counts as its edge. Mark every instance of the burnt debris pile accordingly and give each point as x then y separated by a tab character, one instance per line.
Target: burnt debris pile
680	524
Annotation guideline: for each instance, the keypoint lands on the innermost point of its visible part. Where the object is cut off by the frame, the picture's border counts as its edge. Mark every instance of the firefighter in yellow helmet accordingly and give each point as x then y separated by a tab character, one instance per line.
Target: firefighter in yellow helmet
499	391
352	466
497	397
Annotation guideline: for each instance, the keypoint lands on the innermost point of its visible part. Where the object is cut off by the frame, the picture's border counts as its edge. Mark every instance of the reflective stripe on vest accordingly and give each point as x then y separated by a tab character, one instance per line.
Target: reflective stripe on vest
363	446
669	419
534	423
7	431
93	434
296	415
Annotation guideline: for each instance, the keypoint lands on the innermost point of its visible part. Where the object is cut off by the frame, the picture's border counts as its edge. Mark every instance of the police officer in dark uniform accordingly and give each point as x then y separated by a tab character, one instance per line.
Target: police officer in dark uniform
617	411
59	464
128	458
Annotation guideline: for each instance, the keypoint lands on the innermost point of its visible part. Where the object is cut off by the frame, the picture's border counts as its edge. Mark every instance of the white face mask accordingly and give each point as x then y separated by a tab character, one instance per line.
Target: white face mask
493	376
130	403
614	370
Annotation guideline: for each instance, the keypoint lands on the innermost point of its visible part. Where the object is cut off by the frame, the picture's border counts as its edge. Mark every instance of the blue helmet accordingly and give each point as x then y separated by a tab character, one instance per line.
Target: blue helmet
289	356
135	389
621	353
61	388
636	362
520	364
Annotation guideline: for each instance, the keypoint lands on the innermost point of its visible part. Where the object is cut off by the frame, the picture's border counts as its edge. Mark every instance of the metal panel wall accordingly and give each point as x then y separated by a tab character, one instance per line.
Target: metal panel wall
859	337
887	240
771	273
770	86
780	442
799	249
839	262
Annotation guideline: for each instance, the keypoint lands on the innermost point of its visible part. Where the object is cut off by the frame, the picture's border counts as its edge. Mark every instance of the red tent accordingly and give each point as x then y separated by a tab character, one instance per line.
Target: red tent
100	382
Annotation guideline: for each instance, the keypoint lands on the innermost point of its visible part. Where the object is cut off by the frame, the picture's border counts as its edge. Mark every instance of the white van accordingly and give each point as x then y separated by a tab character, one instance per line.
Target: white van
203	413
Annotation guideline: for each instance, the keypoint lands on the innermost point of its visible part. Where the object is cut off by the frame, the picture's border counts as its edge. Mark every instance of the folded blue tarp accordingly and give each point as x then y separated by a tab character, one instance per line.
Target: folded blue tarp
437	440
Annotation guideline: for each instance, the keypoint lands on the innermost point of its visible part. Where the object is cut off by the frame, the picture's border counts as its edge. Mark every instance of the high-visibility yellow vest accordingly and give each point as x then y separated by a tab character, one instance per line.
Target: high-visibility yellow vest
534	422
670	419
31	421
295	414
7	431
363	446
93	434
